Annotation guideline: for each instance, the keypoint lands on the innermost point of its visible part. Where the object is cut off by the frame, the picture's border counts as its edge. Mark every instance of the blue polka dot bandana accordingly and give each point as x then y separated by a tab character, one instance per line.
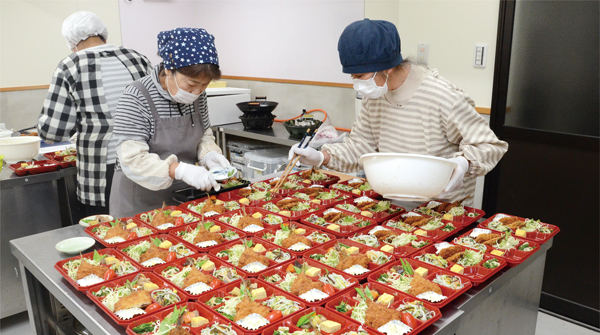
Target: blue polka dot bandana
182	47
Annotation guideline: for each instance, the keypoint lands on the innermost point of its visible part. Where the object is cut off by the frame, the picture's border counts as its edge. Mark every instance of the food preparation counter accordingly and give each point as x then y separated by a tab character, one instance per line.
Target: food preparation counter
505	304
277	134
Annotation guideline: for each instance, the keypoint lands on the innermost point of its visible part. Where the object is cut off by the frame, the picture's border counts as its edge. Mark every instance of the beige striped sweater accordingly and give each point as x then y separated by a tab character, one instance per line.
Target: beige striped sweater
439	119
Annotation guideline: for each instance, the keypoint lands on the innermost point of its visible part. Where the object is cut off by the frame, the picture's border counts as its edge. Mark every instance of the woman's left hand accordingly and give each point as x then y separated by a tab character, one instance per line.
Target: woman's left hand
214	159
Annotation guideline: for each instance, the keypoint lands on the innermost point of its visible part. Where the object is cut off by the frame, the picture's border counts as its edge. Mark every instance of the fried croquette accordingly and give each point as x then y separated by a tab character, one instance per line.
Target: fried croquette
86	269
357	184
333	216
420	285
209	206
250	256
313	191
117	231
486	237
347	261
416	221
383	234
204	235
154	252
161	218
447	252
244	192
295	238
287	203
303	284
366	205
455	258
137	299
248	220
247	307
378	315
274	182
196	276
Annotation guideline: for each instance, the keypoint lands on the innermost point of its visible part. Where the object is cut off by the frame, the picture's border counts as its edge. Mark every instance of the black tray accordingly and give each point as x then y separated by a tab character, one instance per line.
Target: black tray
191	193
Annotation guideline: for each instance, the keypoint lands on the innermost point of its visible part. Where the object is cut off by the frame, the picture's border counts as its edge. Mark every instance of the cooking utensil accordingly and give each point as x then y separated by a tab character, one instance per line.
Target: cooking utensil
257	106
257	121
307	138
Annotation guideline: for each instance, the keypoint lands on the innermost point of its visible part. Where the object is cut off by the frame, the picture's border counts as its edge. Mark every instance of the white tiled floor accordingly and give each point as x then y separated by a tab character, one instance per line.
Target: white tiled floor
546	325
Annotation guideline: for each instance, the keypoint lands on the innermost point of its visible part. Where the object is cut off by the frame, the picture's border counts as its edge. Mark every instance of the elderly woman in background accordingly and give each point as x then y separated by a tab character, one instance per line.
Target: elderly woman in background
162	126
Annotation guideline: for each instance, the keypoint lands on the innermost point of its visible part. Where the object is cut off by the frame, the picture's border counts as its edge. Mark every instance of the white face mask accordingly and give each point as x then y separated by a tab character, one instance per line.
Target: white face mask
181	96
369	88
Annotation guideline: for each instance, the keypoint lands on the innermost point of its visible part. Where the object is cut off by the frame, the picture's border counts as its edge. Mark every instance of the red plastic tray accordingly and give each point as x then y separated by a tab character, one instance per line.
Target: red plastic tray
60	160
224	292
514	256
205	312
249	211
378	217
47	165
296	215
535	236
112	252
162	284
345	231
201	200
371	194
346	323
281	271
341	196
435	234
399	299
476	274
331	179
402	251
89	229
163	237
309	231
188	228
280	192
169	208
234	196
268	246
362	249
433	272
461	220
180	264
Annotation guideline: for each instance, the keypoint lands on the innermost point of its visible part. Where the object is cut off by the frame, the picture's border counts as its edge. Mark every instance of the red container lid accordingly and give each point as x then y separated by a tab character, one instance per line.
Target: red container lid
433	272
109	252
399	299
371	194
512	256
399	251
91	230
309	232
225	219
235	196
191	205
203	311
477	274
294	215
189	217
340	196
180	232
535	236
42	166
164	237
270	290
282	271
434	234
379	217
471	214
345	230
362	249
162	284
180	264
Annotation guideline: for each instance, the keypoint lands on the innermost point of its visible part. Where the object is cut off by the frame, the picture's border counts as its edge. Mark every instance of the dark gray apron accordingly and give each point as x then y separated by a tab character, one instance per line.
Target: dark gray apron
172	136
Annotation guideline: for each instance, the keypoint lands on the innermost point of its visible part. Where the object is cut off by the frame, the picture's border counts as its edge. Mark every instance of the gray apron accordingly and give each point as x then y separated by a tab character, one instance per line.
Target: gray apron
172	136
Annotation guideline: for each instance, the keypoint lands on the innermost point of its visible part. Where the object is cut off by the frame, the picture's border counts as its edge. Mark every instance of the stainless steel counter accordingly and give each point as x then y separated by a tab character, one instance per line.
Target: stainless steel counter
277	134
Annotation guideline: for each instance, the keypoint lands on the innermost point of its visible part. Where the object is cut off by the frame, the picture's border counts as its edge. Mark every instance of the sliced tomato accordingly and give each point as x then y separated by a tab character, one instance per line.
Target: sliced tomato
153	307
171	256
409	320
131	236
179	221
215	283
274	316
109	274
329	289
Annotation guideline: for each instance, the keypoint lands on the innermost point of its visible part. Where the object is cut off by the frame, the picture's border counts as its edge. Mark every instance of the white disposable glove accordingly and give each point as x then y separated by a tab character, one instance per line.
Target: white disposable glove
456	180
214	159
196	176
308	156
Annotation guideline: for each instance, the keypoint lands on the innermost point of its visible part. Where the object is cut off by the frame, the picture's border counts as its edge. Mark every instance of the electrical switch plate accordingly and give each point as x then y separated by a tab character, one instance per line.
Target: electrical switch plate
481	51
423	53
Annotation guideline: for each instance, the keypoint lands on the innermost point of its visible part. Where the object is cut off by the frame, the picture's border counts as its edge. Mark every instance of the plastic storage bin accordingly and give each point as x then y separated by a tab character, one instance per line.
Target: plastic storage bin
264	162
237	149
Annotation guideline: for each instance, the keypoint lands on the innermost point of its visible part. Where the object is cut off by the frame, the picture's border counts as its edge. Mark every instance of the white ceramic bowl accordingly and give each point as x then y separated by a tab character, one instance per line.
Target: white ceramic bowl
22	148
407	177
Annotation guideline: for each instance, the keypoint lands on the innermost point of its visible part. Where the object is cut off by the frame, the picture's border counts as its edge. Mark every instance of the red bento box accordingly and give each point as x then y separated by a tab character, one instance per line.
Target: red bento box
89	231
191	227
346	323
400	251
163	237
225	219
308	233
535	236
362	224
193	218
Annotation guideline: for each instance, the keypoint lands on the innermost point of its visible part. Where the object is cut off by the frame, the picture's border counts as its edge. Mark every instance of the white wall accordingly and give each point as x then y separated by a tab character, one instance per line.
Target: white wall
452	28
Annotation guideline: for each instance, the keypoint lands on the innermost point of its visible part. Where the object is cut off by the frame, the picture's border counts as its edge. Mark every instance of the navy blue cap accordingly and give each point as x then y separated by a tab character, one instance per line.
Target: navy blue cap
369	46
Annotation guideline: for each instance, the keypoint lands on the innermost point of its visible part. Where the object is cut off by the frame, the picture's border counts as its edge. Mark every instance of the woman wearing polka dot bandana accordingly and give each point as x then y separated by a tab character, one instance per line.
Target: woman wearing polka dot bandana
162	126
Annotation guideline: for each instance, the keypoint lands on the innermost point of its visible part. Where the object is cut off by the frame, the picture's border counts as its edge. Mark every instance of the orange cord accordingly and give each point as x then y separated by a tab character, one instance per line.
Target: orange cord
314	110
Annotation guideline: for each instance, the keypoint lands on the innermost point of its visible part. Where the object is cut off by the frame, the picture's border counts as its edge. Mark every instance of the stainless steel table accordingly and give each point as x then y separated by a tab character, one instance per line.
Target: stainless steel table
277	134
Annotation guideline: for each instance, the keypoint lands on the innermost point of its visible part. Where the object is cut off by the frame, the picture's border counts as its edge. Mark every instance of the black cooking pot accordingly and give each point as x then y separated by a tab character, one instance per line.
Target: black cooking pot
257	106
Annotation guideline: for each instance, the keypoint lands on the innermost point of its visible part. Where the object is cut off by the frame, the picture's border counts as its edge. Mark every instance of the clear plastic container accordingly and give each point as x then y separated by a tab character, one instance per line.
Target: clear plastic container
237	149
264	162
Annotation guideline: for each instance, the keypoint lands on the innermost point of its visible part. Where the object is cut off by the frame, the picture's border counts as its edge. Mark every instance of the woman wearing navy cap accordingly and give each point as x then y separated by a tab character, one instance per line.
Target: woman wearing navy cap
162	127
407	108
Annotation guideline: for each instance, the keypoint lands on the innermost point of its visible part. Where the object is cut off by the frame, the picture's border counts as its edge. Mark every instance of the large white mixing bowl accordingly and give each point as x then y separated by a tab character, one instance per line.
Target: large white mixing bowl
22	148
407	177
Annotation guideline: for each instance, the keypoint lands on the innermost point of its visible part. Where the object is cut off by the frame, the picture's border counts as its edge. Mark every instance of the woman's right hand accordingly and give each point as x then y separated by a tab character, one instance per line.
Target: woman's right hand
196	176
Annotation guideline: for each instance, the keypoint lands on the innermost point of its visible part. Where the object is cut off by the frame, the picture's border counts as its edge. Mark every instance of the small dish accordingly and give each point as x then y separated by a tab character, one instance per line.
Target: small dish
224	174
100	218
75	245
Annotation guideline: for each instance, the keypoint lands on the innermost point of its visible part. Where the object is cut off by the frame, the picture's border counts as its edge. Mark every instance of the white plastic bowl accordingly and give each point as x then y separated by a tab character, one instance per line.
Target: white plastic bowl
407	177
22	148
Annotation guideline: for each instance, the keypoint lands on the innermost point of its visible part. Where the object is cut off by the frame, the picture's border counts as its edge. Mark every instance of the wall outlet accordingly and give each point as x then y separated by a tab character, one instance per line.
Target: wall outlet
481	51
423	53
